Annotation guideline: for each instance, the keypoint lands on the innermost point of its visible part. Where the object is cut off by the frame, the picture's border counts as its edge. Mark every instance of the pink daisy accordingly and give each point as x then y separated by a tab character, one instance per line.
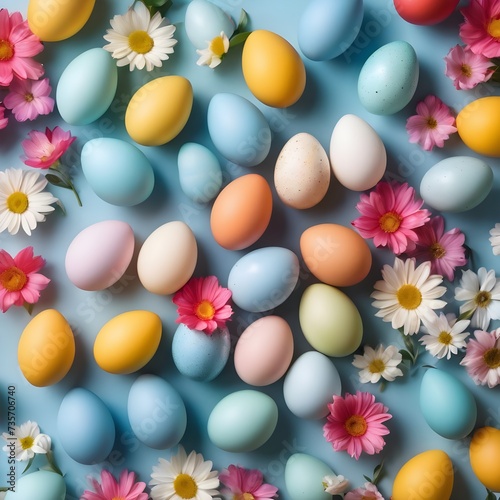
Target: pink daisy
246	484
29	98
467	69
17	46
110	489
481	28
19	281
482	358
367	492
432	125
202	304
3	121
389	215
355	424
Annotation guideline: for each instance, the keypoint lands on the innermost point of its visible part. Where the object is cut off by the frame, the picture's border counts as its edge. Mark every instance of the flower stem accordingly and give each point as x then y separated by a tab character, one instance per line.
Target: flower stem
63	180
52	463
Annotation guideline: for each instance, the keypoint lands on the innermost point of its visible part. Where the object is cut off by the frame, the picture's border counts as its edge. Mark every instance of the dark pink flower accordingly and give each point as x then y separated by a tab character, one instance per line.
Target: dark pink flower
3	121
244	484
467	69
110	489
29	98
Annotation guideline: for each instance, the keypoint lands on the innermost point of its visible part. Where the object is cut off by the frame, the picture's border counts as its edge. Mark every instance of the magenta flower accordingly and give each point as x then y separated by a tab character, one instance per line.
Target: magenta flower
432	125
29	98
467	69
355	424
43	150
3	121
246	484
367	492
110	489
390	214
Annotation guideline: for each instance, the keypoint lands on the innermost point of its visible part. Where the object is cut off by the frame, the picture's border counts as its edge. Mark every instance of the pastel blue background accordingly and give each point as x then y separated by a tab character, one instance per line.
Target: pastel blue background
330	93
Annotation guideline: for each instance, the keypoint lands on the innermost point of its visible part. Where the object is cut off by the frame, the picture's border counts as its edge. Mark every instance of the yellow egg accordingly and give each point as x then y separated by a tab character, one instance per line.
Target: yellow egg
46	348
159	110
484	452
426	476
128	341
273	69
56	20
478	125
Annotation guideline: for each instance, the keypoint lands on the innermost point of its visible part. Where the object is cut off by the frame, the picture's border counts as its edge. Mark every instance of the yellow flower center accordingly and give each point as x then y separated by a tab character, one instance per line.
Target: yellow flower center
28	97
26	442
185	486
118	498
409	297
390	222
13	279
205	310
466	70
6	50
244	496
376	366
492	358
482	299
18	202
437	251
431	122
445	338
140	41
494	28
356	425
217	48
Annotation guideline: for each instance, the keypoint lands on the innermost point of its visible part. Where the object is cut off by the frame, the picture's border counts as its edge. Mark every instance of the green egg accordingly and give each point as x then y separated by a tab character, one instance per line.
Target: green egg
42	485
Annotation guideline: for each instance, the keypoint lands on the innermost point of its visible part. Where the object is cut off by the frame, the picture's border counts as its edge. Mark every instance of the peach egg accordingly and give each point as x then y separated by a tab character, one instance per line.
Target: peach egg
484	453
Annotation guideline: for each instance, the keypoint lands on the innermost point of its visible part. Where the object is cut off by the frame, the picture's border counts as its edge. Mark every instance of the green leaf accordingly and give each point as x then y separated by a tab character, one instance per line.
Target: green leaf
406	355
382	386
4	488
52	463
369	479
466	315
242	23
239	39
378	473
30	463
56	181
491	495
155	3
59	203
28	307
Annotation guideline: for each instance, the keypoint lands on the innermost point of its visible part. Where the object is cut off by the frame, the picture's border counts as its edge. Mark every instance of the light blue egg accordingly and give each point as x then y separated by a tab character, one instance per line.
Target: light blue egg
388	79
156	412
238	129
204	21
327	29
117	171
264	278
85	426
242	421
39	485
200	174
448	406
87	87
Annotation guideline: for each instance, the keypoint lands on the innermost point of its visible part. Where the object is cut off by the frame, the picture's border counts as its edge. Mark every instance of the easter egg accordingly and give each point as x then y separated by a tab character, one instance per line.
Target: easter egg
238	129
167	258
46	349
357	154
425	12
86	87
128	341
273	69
159	110
326	29
426	476
264	278
242	421
329	320
264	351
388	78
241	212
117	171
335	254
85	427
41	484
302	172
484	453
456	184
198	355
99	255
55	21
478	125
156	412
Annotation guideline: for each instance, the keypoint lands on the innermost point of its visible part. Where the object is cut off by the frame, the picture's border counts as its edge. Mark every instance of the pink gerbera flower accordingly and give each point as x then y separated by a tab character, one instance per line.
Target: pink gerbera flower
481	29
432	125
389	215
355	424
482	358
202	304
17	46
3	121
124	489
246	484
467	69
367	492
29	98
20	282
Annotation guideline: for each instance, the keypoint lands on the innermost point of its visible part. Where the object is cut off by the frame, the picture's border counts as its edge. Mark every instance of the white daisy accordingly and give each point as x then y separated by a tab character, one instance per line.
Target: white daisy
406	295
27	440
445	335
213	54
375	364
481	293
184	478
495	239
23	203
335	485
140	40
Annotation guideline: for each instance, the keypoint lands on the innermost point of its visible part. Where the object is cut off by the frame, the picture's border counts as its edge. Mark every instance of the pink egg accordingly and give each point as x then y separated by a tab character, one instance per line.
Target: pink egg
264	351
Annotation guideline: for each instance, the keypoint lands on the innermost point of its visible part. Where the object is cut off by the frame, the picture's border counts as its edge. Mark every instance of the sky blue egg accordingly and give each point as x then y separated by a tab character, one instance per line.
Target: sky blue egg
238	129
264	278
328	28
117	171
87	87
39	485
200	174
156	412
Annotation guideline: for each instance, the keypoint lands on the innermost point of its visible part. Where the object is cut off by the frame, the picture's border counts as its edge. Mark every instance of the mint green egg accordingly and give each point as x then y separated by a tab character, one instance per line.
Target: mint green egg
39	485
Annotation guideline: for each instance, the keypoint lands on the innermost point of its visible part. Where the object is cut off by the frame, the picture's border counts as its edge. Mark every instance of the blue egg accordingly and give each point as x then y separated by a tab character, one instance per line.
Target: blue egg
327	28
87	87
200	174
85	426
117	171
264	278
238	129
42	485
156	412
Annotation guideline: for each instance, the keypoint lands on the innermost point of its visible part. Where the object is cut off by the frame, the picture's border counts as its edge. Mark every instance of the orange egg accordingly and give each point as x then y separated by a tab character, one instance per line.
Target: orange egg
241	212
484	452
335	254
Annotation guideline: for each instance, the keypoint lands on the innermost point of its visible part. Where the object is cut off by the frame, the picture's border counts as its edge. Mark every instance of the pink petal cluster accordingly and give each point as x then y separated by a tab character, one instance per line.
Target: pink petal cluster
29	98
110	489
367	492
3	120
246	483
467	69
